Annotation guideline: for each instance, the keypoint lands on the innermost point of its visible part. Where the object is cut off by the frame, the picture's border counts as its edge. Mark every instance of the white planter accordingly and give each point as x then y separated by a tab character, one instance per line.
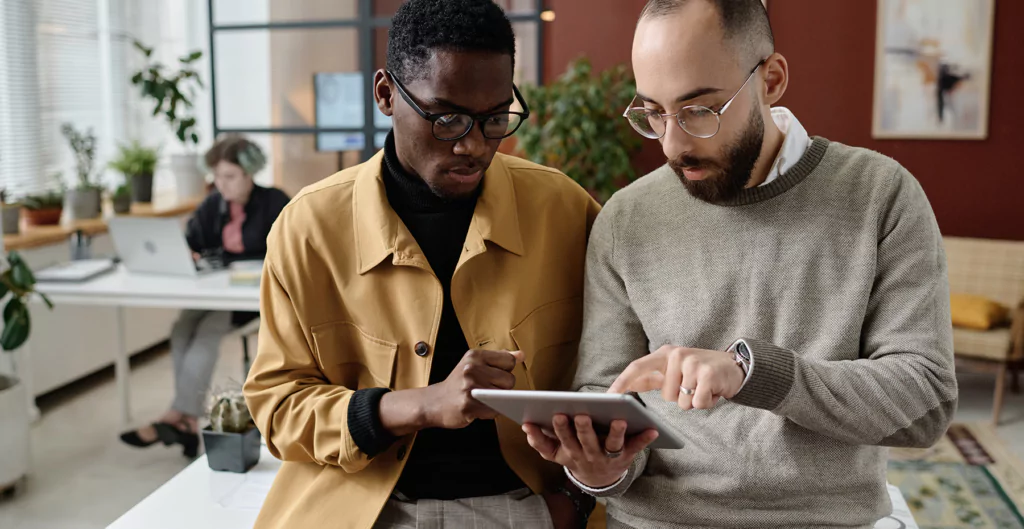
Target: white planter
189	179
14	431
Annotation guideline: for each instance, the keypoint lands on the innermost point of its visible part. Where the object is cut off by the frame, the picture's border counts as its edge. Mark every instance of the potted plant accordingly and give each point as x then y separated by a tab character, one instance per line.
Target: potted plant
121	199
232	441
137	163
172	93
84	199
11	215
576	125
43	209
17	285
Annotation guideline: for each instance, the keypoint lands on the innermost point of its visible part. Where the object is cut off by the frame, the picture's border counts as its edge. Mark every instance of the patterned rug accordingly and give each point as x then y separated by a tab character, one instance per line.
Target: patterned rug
969	479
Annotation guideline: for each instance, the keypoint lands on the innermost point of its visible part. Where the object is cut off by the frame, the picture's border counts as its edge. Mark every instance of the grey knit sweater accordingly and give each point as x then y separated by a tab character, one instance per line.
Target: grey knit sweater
835	274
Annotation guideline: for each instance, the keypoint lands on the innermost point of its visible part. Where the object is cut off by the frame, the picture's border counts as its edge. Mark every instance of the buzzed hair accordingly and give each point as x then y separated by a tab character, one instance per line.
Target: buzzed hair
745	24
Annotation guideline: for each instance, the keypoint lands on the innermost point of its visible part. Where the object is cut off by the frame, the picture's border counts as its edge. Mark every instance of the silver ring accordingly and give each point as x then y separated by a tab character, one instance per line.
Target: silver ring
686	391
613	455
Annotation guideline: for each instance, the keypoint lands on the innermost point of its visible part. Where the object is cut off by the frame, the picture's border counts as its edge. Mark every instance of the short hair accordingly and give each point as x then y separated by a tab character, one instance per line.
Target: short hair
424	26
744	22
236	149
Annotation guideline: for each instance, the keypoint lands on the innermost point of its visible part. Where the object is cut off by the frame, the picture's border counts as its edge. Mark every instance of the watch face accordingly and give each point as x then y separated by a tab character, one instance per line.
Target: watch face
741	349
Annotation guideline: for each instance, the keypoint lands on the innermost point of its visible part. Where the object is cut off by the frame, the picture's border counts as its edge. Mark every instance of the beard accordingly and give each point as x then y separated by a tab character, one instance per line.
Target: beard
726	180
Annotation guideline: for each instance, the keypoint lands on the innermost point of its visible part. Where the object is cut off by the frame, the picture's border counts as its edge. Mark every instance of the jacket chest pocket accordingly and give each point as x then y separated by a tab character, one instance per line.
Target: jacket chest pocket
349	357
549	338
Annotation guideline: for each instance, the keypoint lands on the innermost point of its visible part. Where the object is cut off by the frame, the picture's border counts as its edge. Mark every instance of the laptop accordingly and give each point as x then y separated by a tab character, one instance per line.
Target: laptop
153	246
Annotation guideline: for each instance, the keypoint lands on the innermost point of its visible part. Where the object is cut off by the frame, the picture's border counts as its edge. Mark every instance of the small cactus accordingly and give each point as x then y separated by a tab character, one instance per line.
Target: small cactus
229	413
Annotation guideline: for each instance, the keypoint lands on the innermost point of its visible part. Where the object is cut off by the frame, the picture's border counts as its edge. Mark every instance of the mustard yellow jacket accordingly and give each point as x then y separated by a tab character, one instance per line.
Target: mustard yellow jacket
347	294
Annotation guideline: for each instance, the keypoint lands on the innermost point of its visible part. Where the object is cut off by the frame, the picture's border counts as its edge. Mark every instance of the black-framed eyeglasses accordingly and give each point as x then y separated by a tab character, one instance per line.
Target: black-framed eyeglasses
696	120
453	126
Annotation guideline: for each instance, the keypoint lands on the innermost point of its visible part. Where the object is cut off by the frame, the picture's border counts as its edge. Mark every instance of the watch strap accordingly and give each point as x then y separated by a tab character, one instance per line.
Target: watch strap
584	504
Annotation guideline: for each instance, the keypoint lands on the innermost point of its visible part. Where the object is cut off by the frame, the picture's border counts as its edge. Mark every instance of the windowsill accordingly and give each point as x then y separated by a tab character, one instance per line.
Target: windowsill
163	205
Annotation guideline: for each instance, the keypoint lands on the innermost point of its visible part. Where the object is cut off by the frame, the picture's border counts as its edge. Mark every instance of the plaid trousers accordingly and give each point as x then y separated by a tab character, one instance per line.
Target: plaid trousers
519	509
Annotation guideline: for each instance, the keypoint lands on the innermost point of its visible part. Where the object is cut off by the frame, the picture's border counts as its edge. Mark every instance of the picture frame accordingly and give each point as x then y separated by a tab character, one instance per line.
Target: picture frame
933	69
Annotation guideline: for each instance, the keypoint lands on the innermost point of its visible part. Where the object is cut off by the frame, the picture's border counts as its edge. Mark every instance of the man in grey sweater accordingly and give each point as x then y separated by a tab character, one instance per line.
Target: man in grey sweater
800	280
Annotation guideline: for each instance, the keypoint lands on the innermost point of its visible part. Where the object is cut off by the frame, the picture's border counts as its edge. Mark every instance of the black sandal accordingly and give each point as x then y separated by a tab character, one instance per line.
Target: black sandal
132	438
171	434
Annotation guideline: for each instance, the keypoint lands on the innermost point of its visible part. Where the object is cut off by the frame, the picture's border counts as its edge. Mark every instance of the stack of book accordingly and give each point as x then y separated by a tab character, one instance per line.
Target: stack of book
245	273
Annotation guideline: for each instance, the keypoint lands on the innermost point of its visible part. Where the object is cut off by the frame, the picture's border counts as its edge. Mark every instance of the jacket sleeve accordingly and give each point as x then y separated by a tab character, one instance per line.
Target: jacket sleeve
302	416
902	389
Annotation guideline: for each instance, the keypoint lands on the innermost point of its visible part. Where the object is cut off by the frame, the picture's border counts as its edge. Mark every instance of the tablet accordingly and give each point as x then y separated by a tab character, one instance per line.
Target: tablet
538	407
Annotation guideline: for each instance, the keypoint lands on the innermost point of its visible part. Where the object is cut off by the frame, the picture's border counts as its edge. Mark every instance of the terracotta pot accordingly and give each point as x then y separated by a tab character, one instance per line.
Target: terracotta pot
42	217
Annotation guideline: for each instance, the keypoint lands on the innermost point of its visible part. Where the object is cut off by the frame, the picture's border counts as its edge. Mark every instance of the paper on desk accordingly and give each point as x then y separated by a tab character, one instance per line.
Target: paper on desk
251	492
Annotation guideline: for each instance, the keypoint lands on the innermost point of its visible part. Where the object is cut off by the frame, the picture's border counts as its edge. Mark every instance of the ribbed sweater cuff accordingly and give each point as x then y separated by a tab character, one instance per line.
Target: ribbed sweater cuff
771	379
622	485
364	422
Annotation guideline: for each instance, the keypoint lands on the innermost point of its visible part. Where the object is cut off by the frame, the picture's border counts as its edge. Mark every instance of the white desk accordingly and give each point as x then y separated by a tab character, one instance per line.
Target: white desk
200	498
122	289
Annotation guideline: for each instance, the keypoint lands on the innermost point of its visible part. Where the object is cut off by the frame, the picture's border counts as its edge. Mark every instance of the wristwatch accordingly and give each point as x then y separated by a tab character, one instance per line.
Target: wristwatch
741	355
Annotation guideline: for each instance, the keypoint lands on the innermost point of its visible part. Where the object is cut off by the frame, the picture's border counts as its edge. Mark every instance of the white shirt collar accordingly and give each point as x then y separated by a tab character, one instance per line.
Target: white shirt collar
793	147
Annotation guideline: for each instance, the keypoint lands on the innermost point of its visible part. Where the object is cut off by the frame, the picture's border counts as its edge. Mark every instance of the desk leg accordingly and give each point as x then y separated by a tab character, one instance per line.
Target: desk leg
122	370
80	246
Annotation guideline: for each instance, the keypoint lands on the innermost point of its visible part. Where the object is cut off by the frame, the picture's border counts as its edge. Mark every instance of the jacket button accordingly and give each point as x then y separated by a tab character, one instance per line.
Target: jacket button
422	349
401	452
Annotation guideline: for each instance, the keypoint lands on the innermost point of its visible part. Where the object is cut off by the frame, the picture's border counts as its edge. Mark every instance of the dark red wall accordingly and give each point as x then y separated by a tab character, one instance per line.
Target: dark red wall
975	186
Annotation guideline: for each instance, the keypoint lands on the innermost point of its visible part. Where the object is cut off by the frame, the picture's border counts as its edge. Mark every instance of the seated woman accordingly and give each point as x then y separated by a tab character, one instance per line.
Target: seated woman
231	224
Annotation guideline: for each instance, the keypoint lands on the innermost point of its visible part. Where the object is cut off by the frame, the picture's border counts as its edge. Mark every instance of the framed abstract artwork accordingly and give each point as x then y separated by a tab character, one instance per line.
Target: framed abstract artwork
933	63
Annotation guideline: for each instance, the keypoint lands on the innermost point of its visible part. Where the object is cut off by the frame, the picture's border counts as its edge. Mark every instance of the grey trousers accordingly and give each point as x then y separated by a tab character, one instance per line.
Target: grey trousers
195	346
516	510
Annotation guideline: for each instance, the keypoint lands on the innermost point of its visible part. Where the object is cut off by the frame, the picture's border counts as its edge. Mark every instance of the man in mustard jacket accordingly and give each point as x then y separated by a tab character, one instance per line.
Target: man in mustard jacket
394	288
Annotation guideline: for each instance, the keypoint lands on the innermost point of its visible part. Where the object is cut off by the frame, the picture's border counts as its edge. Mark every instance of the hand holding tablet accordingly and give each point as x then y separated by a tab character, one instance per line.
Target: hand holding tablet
594	435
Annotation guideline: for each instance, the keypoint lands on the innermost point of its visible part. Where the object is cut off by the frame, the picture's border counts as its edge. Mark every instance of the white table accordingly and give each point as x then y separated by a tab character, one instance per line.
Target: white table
122	290
200	498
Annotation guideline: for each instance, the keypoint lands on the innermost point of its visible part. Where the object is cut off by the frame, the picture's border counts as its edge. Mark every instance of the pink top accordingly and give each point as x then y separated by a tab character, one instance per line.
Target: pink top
232	234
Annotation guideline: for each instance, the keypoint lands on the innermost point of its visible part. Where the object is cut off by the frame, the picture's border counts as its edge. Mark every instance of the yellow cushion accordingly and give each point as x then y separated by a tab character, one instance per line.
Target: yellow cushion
977	312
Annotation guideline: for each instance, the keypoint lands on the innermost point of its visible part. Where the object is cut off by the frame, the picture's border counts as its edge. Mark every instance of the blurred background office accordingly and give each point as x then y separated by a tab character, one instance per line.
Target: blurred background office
935	84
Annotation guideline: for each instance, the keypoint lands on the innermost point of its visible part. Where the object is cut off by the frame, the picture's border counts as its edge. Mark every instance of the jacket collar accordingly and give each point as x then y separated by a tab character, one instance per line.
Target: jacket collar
379	232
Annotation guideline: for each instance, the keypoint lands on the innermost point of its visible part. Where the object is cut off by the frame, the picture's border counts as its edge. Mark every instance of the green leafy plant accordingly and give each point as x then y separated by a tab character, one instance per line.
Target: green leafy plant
84	147
576	126
123	190
135	159
47	200
17	285
229	413
172	92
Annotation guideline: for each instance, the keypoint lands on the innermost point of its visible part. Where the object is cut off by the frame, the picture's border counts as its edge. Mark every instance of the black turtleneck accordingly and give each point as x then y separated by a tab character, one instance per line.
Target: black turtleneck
444	464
